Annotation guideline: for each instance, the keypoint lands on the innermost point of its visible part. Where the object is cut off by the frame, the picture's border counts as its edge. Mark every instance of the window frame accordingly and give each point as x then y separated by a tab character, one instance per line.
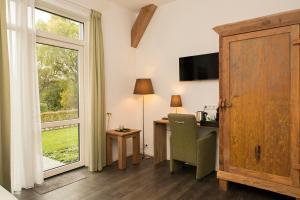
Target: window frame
80	45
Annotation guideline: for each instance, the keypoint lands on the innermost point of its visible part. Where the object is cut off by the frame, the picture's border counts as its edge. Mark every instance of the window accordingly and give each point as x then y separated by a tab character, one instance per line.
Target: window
58	82
51	23
59	51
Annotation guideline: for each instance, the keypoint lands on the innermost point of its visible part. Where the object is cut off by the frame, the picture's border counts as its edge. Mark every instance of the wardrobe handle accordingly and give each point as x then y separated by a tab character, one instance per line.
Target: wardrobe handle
228	104
257	152
222	104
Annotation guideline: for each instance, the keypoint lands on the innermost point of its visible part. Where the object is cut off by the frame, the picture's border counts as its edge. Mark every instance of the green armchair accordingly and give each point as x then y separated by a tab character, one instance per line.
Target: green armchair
192	144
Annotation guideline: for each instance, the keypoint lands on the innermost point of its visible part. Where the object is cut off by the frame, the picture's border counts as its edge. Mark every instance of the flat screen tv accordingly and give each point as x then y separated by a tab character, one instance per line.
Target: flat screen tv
202	67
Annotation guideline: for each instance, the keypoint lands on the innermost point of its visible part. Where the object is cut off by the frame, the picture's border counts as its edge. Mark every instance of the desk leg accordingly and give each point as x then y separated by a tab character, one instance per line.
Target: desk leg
108	150
160	142
122	152
136	157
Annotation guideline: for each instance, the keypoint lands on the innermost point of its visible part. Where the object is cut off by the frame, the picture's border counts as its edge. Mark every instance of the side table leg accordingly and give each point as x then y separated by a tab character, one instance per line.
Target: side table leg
136	157
122	152
108	150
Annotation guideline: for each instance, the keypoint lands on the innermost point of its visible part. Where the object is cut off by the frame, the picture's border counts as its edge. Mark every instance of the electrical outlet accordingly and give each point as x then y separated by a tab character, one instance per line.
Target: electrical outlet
109	114
210	107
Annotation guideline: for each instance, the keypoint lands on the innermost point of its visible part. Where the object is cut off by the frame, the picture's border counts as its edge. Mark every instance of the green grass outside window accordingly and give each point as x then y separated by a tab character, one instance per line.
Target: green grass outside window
61	144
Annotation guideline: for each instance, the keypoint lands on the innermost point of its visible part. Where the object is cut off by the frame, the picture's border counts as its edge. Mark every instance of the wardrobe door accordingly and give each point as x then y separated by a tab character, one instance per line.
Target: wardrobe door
260	73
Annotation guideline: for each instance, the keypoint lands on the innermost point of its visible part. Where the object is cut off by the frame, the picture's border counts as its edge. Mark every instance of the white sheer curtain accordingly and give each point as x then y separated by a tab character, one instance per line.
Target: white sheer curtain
26	127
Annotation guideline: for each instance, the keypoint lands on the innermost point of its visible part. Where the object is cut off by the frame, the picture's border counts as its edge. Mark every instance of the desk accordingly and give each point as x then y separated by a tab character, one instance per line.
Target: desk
121	137
160	139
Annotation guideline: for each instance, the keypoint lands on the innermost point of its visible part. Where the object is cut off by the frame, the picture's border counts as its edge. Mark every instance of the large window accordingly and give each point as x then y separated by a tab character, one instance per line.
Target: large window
59	51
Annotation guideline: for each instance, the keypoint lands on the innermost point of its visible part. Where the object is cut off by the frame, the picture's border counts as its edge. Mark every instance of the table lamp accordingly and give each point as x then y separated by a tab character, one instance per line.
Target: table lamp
176	101
143	87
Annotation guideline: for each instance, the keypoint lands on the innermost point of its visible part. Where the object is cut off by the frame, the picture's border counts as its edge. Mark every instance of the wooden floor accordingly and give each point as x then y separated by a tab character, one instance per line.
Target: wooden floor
148	182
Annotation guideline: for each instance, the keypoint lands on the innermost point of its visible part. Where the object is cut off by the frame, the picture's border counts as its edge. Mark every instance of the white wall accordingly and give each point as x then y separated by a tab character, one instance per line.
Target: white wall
119	69
180	28
184	28
119	63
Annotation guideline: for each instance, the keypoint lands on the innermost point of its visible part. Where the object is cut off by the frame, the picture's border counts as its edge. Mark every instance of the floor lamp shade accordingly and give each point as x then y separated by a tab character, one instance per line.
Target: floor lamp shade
143	86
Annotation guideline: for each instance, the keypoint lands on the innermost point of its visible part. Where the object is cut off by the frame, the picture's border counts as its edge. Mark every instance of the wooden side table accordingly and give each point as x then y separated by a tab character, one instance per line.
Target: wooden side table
121	137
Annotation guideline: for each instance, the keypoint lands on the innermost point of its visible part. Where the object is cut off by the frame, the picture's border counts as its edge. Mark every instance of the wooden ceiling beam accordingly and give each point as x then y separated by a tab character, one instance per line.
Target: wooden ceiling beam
141	23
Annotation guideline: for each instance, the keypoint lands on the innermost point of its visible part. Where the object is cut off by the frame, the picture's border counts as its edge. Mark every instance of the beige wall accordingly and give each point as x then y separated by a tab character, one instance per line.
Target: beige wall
184	28
119	69
119	63
180	28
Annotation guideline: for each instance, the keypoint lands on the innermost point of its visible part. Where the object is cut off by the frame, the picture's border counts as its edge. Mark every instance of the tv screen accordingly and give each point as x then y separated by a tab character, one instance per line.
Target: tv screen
202	67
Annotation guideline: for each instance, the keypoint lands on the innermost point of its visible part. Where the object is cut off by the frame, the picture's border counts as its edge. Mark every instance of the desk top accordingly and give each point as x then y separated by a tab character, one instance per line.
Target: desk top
162	121
207	123
117	133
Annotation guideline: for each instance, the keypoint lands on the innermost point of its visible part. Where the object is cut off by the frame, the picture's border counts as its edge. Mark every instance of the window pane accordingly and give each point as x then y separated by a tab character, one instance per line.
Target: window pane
59	25
60	146
58	82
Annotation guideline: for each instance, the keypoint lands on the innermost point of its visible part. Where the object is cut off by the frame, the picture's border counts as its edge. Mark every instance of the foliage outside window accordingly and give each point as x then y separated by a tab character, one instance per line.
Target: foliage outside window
58	73
59	25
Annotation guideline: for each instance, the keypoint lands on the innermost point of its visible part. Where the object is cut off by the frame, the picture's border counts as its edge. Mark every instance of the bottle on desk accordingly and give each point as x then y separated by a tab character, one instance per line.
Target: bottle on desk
201	116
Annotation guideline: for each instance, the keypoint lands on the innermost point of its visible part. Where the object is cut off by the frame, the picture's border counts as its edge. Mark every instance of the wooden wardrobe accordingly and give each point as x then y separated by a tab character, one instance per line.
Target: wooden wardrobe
259	103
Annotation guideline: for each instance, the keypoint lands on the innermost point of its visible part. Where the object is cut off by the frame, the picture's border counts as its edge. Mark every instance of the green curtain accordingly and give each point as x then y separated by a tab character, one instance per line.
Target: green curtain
98	133
5	179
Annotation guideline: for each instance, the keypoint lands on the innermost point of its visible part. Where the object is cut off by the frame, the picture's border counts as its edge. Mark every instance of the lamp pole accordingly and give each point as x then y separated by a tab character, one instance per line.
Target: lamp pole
143	157
143	86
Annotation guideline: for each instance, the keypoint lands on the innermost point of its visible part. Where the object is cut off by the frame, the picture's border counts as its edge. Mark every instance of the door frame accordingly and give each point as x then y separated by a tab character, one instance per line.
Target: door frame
46	38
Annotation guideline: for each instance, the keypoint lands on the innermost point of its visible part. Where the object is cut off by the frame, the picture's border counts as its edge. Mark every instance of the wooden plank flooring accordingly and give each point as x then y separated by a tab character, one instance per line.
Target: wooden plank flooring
148	182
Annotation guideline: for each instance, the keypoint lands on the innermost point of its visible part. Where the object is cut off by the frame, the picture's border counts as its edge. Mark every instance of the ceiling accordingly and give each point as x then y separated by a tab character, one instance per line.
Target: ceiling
135	5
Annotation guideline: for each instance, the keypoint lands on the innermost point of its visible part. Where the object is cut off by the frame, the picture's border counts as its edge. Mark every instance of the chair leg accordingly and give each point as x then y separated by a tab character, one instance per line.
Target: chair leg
199	173
204	171
175	165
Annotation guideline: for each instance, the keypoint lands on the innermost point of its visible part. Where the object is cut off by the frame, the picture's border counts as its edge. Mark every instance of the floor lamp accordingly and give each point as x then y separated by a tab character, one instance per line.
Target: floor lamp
143	87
